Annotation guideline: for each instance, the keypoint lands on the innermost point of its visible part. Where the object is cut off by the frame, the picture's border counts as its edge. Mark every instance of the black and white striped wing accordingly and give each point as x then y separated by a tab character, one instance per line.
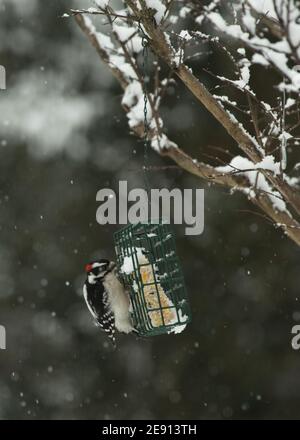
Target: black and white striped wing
96	299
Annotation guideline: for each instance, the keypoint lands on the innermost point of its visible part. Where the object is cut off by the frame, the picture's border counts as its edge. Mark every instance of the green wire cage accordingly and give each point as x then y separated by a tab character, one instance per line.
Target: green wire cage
149	267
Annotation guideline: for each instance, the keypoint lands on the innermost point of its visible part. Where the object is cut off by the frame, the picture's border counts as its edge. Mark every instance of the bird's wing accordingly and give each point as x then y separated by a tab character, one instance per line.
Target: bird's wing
89	304
97	302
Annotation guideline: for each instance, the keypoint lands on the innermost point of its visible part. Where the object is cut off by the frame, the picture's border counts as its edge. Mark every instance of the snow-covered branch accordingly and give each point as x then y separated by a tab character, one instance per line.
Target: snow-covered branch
255	36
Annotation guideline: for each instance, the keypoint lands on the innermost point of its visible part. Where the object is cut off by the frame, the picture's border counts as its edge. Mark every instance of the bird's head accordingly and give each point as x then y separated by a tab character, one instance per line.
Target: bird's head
98	269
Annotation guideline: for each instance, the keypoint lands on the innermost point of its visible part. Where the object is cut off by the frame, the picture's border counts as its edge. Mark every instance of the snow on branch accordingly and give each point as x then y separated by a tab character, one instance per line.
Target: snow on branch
147	43
257	181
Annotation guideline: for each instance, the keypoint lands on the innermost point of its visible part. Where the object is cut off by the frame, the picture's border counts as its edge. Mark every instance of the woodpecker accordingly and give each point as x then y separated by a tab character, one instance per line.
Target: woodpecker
107	299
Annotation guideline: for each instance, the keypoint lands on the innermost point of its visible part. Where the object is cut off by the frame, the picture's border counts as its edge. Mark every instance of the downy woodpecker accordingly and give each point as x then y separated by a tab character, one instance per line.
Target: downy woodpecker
107	299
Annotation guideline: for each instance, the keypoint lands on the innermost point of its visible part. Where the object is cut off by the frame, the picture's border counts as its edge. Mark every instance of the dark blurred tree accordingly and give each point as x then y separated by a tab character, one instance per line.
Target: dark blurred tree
63	137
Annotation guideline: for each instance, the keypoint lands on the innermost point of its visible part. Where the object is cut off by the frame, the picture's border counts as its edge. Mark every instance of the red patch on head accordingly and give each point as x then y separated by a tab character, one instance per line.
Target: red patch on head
88	267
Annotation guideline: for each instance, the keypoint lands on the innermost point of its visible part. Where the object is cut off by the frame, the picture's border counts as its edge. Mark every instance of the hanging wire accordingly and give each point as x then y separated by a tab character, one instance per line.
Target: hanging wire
146	125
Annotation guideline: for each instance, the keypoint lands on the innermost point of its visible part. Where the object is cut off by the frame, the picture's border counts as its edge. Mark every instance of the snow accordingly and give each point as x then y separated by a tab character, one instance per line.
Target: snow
178	55
127	266
290	102
104	41
159	7
92	10
234	30
245	73
263	7
179	328
241	127
128	263
184	11
268	163
102	4
284	137
116	59
255	178
161	141
266	52
185	35
129	36
173	19
250	23
225	100
119	62
89	24
133	97
123	32
132	94
136	114
257	58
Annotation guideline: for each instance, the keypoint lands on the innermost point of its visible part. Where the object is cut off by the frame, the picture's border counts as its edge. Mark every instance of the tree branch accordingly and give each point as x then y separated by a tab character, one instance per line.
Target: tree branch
199	169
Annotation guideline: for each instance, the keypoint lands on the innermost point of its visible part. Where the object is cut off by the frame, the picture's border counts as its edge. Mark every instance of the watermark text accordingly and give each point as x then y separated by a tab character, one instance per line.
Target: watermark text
2	78
184	206
2	338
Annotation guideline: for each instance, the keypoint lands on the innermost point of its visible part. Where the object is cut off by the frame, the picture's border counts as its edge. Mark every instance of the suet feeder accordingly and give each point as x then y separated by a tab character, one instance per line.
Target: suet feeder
149	267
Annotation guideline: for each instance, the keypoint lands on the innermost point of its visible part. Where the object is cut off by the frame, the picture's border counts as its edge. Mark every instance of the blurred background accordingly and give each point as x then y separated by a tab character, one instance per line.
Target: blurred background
64	136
